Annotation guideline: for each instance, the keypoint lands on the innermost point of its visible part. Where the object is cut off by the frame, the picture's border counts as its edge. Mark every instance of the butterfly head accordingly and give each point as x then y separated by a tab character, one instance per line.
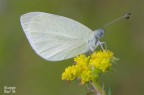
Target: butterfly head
99	33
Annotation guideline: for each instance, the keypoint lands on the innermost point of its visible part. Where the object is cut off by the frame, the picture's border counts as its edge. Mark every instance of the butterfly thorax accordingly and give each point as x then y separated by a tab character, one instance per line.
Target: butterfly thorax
95	40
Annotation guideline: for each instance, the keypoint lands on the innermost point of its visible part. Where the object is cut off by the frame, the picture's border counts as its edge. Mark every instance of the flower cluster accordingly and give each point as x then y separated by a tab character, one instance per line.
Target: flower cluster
88	68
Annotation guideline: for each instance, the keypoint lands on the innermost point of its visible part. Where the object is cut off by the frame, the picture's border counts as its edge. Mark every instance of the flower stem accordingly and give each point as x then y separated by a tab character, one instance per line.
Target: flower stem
98	88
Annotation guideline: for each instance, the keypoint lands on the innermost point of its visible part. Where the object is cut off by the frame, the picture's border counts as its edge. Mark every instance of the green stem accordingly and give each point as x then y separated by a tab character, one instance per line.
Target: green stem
98	88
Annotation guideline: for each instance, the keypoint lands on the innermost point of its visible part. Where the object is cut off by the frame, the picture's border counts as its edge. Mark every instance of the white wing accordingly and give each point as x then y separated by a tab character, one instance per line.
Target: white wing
55	37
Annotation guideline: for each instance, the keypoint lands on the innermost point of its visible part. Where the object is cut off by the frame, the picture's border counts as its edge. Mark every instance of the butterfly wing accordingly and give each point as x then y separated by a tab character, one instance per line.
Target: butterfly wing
55	37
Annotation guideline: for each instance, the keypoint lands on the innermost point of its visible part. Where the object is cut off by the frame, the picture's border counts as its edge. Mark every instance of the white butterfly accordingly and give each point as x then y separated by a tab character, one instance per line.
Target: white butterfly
57	38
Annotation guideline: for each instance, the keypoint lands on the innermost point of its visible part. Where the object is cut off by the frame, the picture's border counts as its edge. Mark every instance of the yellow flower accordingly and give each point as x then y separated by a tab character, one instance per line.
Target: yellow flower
82	60
89	68
102	60
86	76
70	73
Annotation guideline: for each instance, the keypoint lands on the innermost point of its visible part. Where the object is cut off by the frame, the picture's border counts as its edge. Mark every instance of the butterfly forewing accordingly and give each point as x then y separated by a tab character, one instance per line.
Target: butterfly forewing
55	37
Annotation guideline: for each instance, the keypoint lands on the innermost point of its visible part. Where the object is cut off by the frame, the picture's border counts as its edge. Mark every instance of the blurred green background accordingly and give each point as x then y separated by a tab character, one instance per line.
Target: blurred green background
22	68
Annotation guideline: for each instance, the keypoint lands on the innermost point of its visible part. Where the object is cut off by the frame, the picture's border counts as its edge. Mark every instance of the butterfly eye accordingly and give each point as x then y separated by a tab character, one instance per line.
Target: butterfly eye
100	33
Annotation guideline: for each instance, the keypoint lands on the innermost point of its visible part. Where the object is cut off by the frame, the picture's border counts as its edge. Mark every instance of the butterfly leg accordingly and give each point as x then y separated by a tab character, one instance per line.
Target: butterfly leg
103	44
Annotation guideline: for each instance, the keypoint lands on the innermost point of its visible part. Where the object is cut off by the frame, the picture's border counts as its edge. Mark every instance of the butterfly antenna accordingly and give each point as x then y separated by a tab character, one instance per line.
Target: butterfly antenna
126	16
